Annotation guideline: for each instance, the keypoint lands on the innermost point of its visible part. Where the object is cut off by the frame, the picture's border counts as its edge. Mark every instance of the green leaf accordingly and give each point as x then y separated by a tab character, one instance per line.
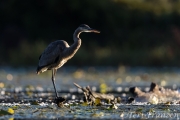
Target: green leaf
34	103
97	102
10	111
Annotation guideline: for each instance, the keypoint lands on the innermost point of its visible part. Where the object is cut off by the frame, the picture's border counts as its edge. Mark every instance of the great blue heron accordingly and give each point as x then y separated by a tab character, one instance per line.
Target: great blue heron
59	52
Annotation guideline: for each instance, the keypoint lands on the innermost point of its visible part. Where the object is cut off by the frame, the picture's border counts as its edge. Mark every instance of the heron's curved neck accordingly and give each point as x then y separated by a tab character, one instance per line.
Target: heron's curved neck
76	45
76	35
77	40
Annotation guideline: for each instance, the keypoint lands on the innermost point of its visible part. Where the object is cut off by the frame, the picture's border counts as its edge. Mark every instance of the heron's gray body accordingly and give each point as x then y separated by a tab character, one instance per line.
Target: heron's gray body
56	54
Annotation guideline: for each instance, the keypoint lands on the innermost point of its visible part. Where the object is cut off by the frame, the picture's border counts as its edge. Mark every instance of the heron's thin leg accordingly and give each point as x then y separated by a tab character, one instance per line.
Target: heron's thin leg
53	80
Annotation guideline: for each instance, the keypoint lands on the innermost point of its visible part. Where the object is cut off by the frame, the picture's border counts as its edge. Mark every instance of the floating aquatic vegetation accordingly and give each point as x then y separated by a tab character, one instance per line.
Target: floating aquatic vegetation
85	104
9	111
103	88
97	102
115	111
34	103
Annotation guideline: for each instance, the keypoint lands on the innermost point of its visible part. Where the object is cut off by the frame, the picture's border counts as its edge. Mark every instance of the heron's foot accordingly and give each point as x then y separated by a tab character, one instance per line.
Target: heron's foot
60	101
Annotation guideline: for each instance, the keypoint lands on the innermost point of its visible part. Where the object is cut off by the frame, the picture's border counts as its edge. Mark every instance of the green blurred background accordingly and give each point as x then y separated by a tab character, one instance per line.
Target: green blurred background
133	32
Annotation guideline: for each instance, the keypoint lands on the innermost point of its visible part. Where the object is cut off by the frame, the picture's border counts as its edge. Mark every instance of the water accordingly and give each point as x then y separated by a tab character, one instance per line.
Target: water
31	95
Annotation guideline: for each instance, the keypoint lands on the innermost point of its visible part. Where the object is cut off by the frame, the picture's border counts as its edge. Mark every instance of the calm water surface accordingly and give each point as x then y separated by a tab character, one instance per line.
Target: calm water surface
92	76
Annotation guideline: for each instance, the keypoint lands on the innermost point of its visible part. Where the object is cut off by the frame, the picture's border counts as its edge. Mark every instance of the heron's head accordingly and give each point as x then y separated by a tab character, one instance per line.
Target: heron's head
86	28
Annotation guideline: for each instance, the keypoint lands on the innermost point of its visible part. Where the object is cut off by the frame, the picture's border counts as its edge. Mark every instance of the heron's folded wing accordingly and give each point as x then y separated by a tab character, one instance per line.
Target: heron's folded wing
51	54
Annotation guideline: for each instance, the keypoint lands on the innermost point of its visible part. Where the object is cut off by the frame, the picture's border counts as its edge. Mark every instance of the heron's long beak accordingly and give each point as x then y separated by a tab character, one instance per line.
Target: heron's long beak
94	30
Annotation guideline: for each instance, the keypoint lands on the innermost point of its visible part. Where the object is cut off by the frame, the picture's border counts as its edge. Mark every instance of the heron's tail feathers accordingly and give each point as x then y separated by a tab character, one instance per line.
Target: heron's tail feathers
41	69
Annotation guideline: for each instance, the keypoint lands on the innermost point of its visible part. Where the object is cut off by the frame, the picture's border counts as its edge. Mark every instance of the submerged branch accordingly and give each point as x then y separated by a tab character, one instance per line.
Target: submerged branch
91	96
